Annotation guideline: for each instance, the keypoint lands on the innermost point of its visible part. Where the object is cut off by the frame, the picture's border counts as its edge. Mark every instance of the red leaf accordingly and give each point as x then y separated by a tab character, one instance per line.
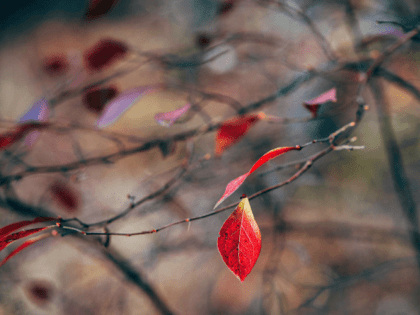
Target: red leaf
203	41
22	130
97	8
5	241
65	196
234	184
23	246
314	104
55	65
96	99
232	130
225	7
239	240
105	52
4	231
39	292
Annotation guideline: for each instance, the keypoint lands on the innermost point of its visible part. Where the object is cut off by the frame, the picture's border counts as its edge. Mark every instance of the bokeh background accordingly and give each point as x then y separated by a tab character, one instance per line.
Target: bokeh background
334	241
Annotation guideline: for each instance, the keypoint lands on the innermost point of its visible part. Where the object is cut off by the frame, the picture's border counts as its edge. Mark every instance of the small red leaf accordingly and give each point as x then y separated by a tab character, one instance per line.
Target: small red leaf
234	184
4	231
167	119
23	246
105	52
40	292
314	104
232	130
22	130
97	8
239	240
96	99
55	65
65	196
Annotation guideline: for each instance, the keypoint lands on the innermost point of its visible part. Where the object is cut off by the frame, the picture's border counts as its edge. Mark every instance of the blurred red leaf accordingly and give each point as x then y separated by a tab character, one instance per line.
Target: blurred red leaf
225	7
234	184
239	240
23	246
232	130
22	130
65	196
4	231
39	292
97	8
105	52
96	99
7	240
55	65
314	104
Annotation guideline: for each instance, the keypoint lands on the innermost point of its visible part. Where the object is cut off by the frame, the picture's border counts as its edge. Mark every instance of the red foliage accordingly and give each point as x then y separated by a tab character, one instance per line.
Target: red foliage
97	8
4	231
232	130
234	184
65	196
39	292
105	52
5	241
55	65
314	104
96	99
239	241
22	130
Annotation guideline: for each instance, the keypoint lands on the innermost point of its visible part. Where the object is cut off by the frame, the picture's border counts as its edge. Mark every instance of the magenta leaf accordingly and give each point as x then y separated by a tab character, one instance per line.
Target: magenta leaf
115	108
168	118
330	95
39	111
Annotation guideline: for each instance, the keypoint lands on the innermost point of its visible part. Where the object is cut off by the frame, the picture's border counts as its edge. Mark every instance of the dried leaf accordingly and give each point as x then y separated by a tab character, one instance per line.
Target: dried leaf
234	184
104	53
23	246
114	109
98	8
232	130
314	104
167	119
239	240
96	99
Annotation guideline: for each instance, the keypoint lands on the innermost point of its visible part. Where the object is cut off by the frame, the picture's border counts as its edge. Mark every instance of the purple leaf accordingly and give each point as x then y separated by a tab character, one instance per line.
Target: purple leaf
39	112
114	109
330	95
168	118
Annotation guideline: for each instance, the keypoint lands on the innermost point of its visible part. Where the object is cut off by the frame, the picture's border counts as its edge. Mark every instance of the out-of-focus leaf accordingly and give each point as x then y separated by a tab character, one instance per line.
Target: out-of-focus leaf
234	184
39	111
98	8
65	196
104	53
96	99
114	109
167	119
232	130
167	147
314	104
239	240
22	130
55	65
23	246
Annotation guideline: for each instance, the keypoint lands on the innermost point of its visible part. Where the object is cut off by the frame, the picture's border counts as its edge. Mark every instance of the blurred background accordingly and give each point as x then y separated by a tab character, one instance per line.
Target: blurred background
337	240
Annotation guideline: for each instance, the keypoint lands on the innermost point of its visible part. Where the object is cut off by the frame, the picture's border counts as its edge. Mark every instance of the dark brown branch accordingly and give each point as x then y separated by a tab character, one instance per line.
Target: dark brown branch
396	165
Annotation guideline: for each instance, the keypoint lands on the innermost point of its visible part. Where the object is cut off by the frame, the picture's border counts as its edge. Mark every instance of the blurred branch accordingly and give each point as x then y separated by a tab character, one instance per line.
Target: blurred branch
396	165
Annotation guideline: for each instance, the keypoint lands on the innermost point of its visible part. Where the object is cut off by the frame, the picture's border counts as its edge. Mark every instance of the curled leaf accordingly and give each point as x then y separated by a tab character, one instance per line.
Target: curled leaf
104	53
23	246
5	241
239	241
115	108
167	119
234	184
96	99
232	130
314	104
98	8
